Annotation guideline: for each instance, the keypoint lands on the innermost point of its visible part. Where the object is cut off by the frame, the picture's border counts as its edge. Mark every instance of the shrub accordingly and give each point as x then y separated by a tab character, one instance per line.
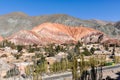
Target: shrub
86	52
12	72
92	50
19	48
18	55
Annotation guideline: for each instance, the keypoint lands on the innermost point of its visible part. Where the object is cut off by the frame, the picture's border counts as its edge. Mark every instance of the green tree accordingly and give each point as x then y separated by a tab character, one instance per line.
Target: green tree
86	52
19	48
64	64
76	49
36	70
92	50
74	68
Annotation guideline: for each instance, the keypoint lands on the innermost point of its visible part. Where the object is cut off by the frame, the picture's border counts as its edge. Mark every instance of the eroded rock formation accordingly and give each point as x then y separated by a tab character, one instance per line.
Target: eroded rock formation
56	33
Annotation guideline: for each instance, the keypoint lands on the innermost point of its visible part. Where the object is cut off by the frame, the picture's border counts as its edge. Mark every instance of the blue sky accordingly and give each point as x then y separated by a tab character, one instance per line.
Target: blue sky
85	9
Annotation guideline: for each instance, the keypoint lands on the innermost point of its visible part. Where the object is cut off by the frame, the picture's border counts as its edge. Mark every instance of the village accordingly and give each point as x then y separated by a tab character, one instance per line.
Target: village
54	58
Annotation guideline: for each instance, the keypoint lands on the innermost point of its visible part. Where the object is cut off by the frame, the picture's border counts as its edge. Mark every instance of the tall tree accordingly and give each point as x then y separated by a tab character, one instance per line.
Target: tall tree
74	68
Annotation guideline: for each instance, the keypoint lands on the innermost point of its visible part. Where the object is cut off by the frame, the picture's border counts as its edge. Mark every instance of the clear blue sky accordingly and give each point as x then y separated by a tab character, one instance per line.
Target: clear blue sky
85	9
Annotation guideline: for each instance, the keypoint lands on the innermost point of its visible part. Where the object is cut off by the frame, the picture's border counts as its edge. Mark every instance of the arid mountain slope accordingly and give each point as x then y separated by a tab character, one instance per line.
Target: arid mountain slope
14	22
56	33
25	38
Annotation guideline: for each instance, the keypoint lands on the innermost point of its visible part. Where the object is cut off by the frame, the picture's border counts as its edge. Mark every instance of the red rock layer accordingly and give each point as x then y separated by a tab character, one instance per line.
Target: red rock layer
55	33
1	38
64	33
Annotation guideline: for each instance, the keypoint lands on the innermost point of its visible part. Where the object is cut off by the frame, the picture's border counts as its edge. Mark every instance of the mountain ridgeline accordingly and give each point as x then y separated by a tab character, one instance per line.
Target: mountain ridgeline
14	22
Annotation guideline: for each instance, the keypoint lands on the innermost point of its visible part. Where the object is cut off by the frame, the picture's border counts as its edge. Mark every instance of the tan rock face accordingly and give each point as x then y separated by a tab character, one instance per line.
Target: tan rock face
55	33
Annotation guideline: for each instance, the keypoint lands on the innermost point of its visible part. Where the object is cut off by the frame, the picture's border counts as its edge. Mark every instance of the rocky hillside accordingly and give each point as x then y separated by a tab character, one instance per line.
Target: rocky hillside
56	33
25	37
117	25
14	22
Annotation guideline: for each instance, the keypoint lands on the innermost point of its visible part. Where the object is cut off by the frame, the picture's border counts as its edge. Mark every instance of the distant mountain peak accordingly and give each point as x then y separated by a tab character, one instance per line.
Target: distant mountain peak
16	14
